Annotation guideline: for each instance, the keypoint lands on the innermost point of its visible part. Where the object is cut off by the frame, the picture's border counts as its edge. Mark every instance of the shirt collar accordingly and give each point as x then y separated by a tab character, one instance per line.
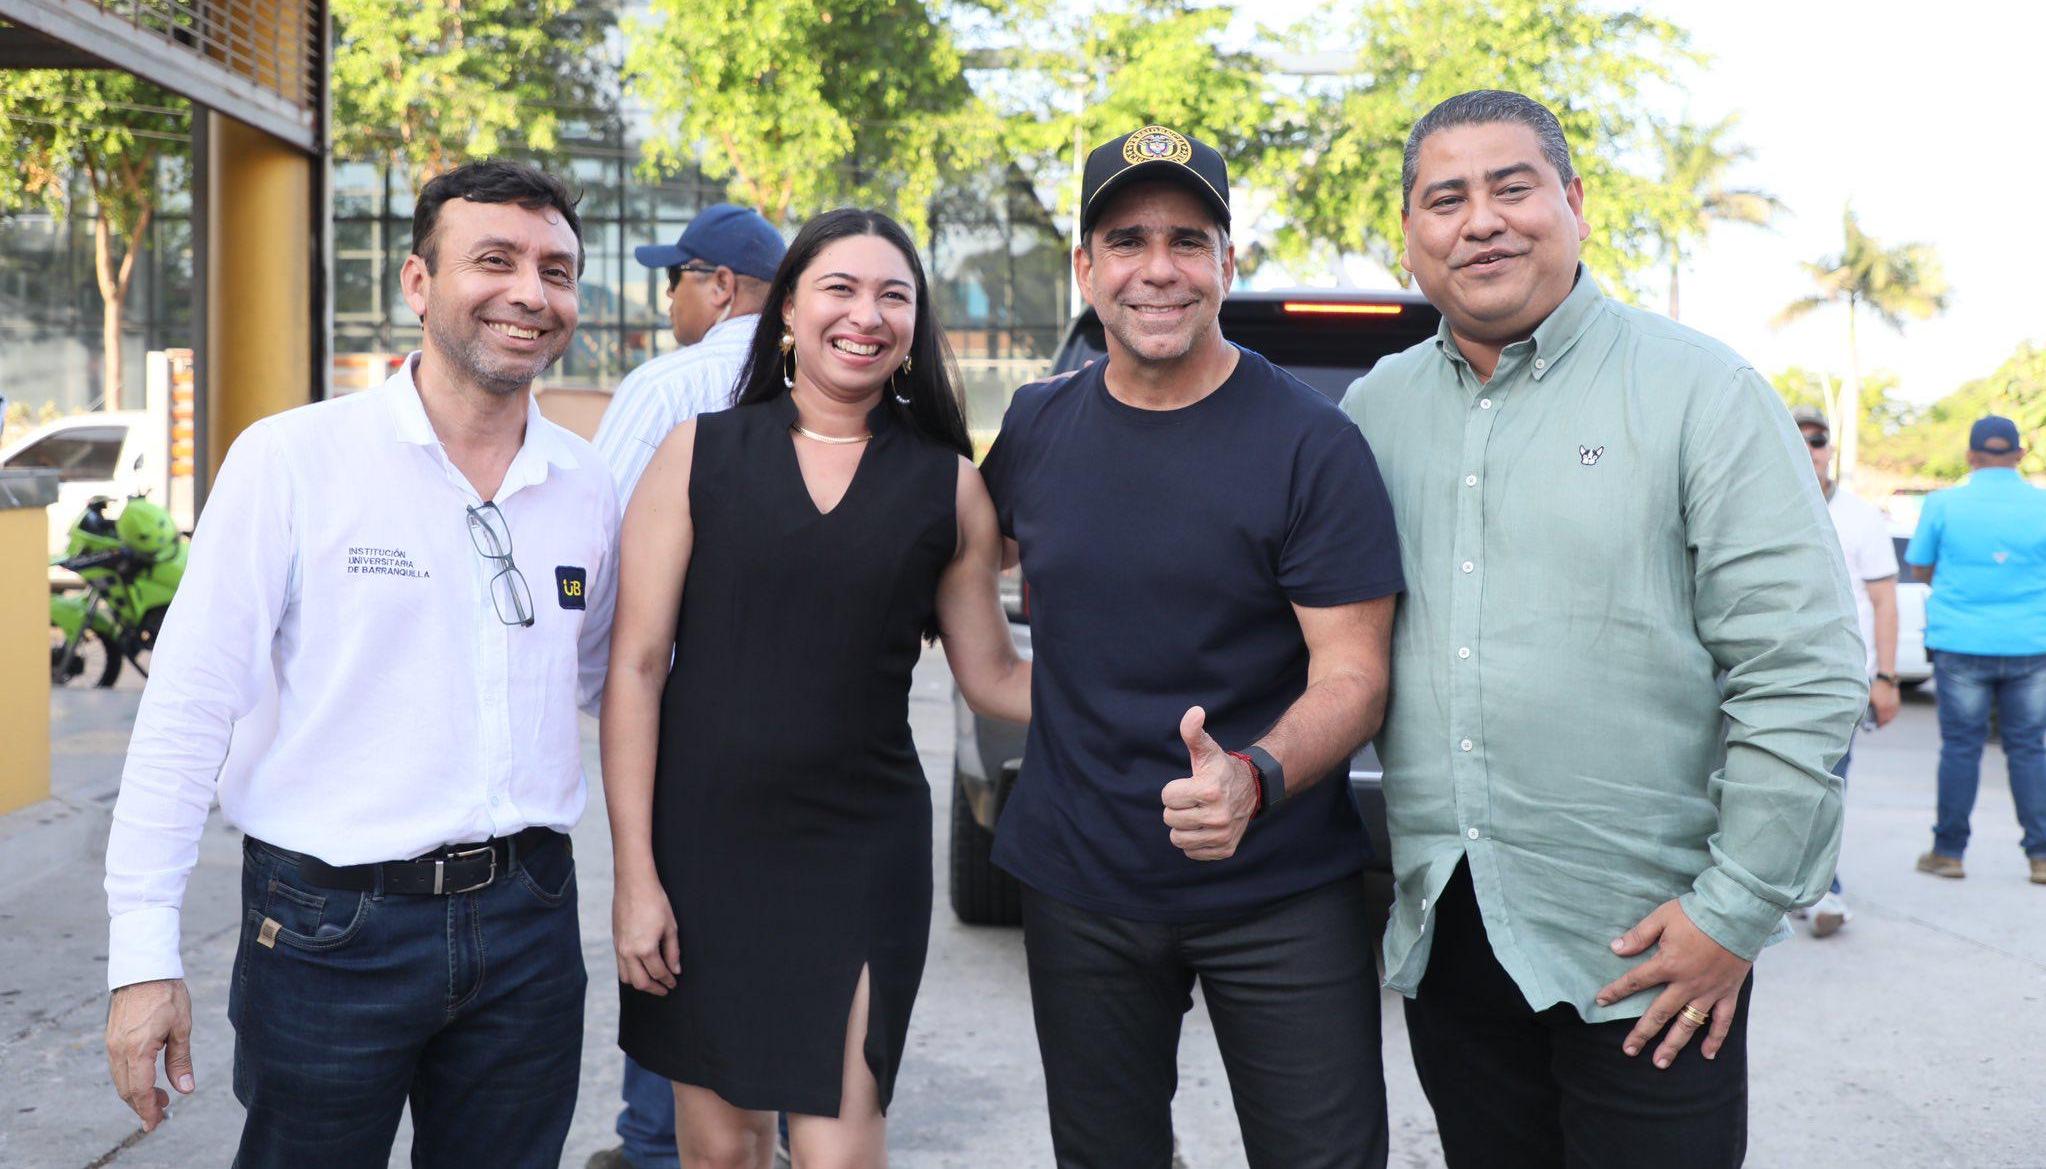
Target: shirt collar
1557	332
727	327
409	420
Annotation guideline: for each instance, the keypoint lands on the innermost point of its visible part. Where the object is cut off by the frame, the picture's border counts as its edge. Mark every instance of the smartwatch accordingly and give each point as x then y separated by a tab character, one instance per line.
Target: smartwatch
1271	778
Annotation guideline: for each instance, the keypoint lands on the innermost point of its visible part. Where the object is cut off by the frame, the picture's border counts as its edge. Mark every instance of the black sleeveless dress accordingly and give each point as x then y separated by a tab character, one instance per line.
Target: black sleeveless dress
791	819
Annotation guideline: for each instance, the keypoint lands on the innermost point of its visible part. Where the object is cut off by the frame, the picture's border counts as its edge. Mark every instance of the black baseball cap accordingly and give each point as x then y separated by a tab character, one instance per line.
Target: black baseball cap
1154	152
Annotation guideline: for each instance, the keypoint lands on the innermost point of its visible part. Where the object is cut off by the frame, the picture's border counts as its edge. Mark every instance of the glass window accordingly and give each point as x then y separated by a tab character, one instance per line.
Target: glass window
78	452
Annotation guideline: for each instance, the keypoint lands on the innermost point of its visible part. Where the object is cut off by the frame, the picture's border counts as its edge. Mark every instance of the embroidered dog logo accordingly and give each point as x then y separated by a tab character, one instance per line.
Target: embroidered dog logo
1588	455
2000	557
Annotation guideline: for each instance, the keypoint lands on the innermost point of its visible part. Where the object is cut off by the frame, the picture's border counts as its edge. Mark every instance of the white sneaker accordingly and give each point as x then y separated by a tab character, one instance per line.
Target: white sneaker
1829	915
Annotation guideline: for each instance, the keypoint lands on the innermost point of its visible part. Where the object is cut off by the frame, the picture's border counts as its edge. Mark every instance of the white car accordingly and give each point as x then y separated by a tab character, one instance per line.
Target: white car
115	453
1914	665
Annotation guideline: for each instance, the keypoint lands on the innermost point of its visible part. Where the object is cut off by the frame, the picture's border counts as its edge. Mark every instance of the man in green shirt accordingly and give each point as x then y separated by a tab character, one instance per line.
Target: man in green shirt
1626	660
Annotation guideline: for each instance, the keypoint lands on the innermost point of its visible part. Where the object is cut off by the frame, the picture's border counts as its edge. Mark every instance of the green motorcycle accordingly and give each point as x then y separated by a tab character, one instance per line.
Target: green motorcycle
131	567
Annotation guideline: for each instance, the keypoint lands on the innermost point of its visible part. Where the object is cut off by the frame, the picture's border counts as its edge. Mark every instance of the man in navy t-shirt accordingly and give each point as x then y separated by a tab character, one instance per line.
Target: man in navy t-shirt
1213	567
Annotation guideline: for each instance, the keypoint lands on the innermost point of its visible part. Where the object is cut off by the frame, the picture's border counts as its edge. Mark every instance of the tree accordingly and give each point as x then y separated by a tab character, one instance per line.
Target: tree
1895	284
429	85
1336	178
1883	414
1695	162
802	104
111	128
1935	444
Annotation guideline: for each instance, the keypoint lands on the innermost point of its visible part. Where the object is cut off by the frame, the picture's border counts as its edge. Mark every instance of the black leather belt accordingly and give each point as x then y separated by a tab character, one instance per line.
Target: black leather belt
458	868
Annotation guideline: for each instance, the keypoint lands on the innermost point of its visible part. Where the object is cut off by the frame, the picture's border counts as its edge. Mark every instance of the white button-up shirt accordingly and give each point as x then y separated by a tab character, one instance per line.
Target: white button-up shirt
333	575
668	391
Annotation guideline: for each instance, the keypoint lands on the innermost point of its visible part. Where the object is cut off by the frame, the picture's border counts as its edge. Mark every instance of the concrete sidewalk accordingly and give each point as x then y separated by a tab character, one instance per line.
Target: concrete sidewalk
1911	1039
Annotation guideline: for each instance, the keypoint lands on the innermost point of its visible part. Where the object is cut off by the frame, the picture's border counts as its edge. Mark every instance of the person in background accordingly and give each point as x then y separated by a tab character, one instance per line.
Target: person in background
1983	547
1872	574
1624	668
718	274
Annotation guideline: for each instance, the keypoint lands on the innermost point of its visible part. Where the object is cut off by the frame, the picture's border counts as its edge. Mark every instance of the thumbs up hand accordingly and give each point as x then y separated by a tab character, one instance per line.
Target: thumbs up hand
1208	810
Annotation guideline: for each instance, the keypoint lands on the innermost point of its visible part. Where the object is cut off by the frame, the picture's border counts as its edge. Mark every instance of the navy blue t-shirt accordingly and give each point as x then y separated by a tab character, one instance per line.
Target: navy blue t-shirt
1164	550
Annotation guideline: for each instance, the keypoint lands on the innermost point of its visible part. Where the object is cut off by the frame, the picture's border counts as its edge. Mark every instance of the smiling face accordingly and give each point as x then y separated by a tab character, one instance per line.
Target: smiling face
852	312
499	300
1493	234
1155	270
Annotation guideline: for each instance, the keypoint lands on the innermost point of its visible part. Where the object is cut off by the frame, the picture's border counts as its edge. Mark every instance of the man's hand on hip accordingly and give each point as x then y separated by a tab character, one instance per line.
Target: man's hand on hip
145	1019
1701	983
1208	810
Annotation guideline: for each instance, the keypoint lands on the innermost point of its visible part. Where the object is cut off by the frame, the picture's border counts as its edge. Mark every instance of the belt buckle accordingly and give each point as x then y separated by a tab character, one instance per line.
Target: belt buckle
440	866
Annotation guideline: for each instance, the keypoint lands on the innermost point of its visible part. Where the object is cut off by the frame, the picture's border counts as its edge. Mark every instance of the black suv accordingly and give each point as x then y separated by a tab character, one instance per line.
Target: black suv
1326	338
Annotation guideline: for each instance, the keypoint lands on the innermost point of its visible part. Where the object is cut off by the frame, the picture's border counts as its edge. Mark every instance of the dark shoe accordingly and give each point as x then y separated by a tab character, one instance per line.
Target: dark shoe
1950	866
608	1159
2039	870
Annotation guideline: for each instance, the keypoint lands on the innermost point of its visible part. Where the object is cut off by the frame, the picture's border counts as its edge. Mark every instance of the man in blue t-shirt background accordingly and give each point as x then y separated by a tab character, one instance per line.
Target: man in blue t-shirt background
1213	568
1983	547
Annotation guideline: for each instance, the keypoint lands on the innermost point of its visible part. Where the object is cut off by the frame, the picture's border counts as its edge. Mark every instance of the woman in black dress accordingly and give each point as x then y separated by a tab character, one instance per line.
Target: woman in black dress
771	824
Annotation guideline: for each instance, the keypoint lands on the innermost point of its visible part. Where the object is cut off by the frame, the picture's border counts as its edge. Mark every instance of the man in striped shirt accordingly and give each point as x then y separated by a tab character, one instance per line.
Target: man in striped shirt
718	274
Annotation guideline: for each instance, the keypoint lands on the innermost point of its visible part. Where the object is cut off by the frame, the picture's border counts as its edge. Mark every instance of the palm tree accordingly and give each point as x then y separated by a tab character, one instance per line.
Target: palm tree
1893	283
1695	162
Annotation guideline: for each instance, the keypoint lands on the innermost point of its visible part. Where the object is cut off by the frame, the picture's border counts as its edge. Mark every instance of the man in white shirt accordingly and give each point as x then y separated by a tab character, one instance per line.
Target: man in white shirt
424	576
1872	570
718	276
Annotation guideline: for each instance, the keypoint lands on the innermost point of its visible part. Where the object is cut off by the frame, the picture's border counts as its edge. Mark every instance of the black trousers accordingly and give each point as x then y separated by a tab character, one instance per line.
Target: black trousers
1517	1088
1293	994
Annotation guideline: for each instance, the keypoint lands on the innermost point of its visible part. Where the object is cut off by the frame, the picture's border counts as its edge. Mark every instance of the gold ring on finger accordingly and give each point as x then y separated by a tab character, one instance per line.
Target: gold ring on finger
1694	1016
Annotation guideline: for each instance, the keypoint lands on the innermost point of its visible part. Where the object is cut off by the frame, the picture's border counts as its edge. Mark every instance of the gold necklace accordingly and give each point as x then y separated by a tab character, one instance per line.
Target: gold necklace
833	439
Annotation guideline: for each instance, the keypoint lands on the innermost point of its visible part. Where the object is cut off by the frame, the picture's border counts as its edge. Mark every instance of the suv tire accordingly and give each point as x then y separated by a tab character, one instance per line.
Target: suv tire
981	893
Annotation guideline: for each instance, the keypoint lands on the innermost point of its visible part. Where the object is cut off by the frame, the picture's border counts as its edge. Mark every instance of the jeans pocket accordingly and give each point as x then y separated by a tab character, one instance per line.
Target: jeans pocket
548	873
307	918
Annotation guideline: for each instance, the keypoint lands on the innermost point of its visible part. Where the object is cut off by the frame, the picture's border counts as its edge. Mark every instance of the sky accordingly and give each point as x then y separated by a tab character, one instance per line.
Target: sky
1929	117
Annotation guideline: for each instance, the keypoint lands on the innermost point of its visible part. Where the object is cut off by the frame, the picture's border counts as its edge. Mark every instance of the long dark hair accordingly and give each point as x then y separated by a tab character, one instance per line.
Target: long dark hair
933	394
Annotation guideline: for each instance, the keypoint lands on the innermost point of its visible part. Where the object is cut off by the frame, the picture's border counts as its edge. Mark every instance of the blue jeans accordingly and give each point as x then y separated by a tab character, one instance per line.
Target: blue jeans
351	1005
647	1122
1840	769
1969	685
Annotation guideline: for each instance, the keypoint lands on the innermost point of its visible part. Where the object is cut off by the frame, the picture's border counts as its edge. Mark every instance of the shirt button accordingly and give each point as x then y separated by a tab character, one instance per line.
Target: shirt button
1484	403
1541	363
1468	566
1470	480
1466	744
1473	834
1463	651
496	800
1424	904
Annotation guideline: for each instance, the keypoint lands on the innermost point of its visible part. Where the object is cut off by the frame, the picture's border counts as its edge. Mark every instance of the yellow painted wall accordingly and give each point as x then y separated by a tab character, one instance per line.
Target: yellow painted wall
258	281
24	657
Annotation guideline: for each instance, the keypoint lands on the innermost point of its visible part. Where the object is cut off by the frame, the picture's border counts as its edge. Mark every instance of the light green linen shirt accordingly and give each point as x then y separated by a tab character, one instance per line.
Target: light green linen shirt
1627	656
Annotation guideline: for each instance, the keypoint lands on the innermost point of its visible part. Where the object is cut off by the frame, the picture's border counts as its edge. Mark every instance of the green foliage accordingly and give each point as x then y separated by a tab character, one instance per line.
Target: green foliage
801	105
106	125
1883	413
1695	161
1895	284
1936	444
1336	171
429	84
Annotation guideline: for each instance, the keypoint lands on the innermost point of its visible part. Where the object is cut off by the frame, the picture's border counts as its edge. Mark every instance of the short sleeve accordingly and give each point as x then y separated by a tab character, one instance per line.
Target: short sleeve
1924	548
998	468
1878	556
1340	545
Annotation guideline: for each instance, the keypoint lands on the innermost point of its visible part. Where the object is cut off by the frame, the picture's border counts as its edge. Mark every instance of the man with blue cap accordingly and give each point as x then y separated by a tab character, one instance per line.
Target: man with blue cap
1983	547
718	275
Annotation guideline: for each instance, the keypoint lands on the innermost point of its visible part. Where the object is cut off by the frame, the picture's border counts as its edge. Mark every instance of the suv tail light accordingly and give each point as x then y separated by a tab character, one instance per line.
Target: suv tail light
1341	308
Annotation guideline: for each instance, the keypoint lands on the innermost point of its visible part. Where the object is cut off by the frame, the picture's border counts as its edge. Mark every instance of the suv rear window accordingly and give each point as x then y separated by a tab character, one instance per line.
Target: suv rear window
1327	350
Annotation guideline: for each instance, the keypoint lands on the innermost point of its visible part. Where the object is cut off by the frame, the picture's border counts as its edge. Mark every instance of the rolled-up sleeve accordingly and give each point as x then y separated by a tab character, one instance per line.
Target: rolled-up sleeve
1773	608
210	666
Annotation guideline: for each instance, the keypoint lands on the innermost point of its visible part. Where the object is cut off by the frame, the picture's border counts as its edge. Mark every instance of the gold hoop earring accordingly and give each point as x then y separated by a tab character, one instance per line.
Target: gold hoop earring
788	357
907	361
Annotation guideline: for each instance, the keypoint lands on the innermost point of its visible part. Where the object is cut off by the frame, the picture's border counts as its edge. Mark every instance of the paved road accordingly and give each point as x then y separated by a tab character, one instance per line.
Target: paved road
1911	1039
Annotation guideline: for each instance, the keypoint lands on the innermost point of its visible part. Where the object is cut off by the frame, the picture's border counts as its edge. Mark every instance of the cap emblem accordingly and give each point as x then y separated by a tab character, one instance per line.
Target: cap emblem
1156	144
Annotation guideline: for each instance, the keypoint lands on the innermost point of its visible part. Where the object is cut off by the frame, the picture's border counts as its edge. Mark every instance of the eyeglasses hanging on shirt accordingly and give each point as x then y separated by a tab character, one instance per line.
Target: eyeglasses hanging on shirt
508	591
